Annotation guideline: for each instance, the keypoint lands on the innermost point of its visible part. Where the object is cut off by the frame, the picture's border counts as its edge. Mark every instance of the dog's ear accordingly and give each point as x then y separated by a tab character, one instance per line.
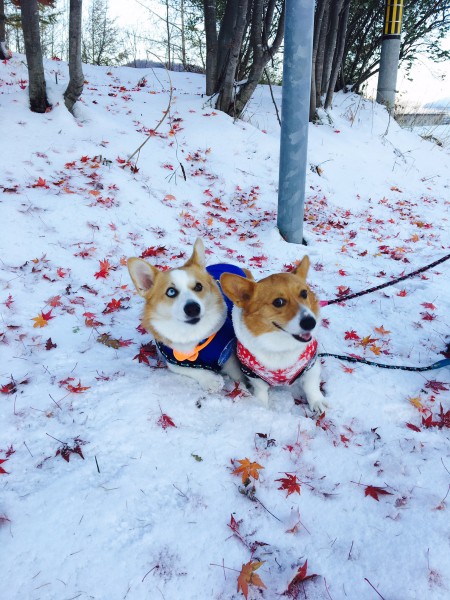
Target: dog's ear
238	289
143	274
302	269
248	274
198	254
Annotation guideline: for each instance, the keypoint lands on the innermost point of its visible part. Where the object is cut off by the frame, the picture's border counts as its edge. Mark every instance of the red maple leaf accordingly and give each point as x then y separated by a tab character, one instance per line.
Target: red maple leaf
2	470
351	335
66	450
413	427
428	305
54	301
113	306
295	586
374	492
165	421
40	183
146	351
9	301
49	344
154	251
236	392
426	316
436	386
105	268
289	483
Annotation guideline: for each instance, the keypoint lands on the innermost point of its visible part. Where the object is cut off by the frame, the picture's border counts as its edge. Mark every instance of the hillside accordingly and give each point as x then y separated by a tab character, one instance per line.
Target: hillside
139	509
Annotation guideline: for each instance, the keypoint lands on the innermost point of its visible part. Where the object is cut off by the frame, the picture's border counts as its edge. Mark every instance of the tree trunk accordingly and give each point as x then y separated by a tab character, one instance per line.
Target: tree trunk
5	54
76	81
333	27
337	64
321	46
318	18
261	56
30	28
229	68
211	45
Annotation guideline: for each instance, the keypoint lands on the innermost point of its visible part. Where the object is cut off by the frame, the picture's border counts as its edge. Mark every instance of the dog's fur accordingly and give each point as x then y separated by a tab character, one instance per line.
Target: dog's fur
167	318
277	335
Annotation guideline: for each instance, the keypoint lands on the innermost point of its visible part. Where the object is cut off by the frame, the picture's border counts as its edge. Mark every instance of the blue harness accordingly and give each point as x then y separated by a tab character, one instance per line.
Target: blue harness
221	347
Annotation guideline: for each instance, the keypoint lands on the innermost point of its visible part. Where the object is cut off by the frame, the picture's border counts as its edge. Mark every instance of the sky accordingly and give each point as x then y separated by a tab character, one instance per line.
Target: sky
428	81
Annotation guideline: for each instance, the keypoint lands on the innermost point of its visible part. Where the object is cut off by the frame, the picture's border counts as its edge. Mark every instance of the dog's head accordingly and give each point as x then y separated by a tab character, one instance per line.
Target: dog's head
280	310
182	306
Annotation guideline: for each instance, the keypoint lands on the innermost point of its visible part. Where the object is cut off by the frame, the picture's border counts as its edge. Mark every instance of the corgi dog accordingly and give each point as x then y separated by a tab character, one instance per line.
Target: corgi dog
189	317
274	320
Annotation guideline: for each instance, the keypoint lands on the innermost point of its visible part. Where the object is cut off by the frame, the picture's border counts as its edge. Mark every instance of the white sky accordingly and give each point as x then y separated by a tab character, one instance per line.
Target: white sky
430	81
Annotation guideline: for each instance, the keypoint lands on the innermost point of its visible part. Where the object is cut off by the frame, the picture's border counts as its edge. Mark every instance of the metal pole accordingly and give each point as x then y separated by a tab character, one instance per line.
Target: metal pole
298	42
390	53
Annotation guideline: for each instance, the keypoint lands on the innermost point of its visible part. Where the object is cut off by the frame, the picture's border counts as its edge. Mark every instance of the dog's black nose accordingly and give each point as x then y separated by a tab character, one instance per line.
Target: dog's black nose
192	309
307	323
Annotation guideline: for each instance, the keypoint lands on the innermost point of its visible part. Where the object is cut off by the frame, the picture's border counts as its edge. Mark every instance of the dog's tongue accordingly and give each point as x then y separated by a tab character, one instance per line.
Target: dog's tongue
306	337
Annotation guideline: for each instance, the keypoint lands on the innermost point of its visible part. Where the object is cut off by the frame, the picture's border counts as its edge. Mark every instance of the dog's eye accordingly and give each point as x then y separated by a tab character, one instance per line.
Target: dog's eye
304	294
171	292
279	302
198	287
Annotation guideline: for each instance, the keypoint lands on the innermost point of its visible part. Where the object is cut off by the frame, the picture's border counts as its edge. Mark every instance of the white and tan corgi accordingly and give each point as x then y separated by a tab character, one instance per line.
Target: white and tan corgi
274	320
189	317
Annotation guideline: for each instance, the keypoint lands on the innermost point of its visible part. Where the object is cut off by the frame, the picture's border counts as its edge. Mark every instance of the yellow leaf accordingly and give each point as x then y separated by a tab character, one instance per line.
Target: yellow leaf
39	321
248	577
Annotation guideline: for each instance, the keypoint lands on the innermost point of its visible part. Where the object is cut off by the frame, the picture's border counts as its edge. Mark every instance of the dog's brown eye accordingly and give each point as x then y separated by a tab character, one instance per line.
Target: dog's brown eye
171	292
198	287
279	302
304	294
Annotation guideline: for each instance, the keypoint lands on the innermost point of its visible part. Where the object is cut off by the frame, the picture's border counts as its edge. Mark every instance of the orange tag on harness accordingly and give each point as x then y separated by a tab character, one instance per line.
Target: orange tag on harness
192	356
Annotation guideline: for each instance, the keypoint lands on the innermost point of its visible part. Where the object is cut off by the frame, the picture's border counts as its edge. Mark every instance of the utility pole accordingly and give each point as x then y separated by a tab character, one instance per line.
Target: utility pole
298	42
390	53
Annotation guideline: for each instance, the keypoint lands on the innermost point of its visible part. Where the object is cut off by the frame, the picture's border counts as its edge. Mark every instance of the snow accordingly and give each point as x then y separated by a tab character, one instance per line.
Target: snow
147	513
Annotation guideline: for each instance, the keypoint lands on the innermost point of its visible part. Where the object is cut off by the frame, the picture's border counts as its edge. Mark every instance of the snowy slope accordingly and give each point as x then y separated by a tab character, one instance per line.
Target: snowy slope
155	511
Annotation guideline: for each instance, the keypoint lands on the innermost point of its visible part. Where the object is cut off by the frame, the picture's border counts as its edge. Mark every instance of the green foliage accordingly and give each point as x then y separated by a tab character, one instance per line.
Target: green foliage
425	25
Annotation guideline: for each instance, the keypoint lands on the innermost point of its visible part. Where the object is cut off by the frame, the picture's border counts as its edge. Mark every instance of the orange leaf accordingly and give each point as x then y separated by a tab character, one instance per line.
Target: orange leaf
367	340
248	577
375	349
381	330
247	469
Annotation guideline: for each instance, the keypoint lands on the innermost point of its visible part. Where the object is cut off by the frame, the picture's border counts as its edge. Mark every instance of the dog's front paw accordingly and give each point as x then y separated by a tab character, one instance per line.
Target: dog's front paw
317	403
211	382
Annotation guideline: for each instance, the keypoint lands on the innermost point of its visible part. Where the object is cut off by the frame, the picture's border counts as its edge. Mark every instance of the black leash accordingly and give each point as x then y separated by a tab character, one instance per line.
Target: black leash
385	285
353	359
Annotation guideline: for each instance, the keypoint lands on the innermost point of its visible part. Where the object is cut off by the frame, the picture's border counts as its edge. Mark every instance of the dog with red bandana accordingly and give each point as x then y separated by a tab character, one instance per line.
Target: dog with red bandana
275	321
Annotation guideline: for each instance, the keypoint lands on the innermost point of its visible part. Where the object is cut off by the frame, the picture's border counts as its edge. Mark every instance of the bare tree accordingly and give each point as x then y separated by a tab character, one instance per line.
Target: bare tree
76	81
250	33
5	54
30	27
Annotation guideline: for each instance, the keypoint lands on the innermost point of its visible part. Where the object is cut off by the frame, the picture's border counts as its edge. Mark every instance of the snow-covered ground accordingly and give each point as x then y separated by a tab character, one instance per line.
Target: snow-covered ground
100	496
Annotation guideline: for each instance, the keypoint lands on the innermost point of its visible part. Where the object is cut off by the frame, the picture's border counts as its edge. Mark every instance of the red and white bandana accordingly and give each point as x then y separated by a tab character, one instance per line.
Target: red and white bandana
279	376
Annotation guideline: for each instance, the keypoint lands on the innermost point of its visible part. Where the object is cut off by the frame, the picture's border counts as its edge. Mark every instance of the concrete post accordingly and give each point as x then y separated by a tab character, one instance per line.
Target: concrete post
298	42
390	52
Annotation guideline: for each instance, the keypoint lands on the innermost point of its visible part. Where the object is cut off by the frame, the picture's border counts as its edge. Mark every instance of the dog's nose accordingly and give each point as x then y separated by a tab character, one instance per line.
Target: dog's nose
192	309
307	323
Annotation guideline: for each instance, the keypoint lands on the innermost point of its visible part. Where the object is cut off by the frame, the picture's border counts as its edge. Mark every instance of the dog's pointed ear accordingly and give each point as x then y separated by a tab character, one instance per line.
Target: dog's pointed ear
198	254
238	289
302	269
143	274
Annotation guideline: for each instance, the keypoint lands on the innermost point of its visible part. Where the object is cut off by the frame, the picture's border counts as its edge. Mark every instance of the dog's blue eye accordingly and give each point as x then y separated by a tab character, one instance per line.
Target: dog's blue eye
279	302
171	292
198	287
304	294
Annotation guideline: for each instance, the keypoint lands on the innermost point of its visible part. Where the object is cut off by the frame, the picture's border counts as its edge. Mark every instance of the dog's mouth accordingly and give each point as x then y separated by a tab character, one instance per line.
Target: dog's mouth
193	321
302	337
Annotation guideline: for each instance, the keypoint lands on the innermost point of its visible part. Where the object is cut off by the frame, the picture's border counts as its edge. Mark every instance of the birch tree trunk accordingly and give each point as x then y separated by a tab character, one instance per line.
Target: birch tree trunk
37	86
76	81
